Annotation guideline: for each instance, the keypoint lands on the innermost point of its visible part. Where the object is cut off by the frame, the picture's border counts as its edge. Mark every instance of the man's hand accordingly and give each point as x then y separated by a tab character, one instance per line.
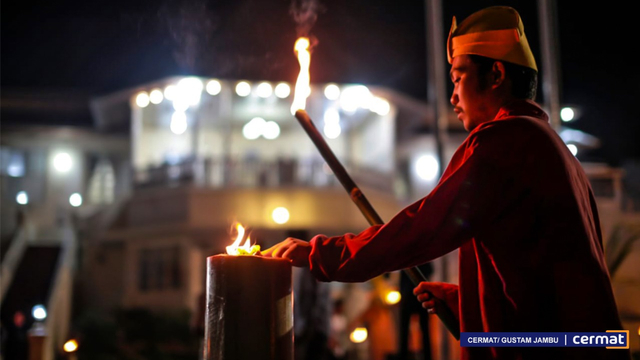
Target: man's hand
434	295
295	250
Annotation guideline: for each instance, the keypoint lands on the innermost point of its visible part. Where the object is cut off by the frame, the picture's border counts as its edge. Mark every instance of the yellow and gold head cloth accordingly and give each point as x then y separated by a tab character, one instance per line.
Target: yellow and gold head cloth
496	32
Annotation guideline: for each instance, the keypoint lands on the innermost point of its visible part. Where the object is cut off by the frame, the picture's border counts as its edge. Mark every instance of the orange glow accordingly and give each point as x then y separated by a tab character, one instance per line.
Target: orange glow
359	335
393	297
302	89
246	249
70	346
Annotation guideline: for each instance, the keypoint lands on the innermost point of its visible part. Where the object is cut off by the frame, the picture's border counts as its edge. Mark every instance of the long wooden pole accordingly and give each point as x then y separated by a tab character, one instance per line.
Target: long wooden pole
444	312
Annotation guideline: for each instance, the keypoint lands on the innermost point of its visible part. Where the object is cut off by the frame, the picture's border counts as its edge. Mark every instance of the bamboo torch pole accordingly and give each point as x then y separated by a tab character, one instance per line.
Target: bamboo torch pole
445	314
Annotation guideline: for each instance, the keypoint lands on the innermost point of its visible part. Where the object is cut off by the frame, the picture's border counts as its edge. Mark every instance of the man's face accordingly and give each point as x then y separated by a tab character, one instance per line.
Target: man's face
470	96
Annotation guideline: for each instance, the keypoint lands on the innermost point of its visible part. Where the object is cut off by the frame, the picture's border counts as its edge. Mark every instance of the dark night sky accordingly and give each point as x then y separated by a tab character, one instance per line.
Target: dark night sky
102	46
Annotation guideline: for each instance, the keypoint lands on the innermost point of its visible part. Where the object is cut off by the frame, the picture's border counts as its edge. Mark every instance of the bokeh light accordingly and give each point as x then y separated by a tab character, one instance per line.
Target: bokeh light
22	198
567	114
264	90
283	90
392	297
70	346
243	88
253	129
427	167
178	123
75	199
62	162
156	96
359	335
332	92
170	92
142	99
280	215
214	87
271	130
39	312
332	131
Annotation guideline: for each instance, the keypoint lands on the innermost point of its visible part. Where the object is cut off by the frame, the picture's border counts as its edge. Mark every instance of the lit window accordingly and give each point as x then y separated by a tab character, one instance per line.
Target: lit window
12	162
102	183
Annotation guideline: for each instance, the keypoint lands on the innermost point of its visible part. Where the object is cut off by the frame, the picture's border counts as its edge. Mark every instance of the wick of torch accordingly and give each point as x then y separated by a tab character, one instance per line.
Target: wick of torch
302	89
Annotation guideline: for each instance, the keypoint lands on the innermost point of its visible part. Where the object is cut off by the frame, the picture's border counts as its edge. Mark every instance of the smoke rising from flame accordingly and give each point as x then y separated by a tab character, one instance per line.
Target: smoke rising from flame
305	14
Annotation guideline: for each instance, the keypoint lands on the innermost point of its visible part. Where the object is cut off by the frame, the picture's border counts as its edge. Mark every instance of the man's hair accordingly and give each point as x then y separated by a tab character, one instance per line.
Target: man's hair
524	80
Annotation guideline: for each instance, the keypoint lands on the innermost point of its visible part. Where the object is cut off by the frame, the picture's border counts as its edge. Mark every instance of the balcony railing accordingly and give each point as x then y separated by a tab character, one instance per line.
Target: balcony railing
223	173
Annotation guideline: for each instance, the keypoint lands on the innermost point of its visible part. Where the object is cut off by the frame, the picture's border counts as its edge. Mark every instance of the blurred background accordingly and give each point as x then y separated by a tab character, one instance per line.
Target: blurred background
134	134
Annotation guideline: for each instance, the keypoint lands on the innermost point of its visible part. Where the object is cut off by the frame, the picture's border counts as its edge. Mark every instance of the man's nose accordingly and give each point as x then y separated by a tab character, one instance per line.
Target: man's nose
454	99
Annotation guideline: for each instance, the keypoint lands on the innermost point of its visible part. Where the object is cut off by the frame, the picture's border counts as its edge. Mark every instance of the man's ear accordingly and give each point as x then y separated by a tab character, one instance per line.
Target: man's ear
497	74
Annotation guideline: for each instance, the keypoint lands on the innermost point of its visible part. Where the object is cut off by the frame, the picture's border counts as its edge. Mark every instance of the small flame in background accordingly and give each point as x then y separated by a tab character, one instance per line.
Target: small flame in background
246	249
302	90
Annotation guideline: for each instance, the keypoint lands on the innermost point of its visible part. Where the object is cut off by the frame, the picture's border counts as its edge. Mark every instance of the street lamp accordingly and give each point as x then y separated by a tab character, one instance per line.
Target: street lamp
39	312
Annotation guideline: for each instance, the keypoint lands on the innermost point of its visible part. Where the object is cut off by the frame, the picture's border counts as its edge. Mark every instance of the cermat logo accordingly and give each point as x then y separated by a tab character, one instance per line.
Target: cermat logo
618	338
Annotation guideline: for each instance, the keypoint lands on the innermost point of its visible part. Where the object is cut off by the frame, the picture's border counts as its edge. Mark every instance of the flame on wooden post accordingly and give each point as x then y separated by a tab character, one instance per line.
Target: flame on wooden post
302	89
246	249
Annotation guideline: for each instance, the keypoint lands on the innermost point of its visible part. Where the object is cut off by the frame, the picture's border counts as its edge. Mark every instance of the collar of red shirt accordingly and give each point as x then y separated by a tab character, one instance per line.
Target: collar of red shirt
522	108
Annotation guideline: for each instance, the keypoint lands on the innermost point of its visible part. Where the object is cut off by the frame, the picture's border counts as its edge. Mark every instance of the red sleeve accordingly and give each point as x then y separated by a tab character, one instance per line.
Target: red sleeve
474	189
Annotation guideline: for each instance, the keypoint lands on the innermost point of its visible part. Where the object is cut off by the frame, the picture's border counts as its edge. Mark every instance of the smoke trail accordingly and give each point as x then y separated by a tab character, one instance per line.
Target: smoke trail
190	24
305	14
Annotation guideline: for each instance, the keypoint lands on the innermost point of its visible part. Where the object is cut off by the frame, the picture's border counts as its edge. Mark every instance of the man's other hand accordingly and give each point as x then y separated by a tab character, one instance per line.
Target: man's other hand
295	250
428	293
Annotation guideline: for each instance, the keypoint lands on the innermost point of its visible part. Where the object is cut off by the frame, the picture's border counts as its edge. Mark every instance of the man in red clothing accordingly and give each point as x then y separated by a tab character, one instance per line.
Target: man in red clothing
513	199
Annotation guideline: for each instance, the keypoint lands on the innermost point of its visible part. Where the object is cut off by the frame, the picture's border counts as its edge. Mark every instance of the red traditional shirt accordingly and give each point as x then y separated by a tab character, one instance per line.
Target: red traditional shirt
520	208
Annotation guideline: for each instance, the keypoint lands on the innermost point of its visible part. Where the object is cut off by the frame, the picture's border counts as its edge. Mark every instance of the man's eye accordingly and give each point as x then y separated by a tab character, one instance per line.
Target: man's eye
456	80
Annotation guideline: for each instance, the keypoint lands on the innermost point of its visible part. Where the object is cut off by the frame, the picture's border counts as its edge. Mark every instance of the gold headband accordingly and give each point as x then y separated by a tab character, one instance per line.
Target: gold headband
496	32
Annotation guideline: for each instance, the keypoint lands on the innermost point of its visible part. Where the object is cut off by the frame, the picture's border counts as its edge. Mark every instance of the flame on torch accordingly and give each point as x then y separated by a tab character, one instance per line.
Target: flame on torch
302	89
246	249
